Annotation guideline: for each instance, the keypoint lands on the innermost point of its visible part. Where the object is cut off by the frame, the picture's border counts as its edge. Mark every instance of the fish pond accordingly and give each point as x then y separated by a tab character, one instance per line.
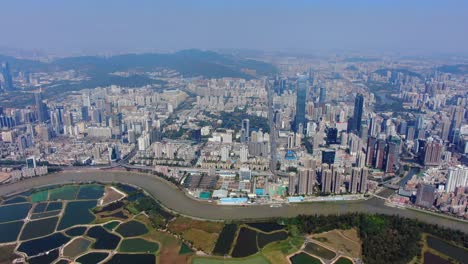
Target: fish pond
304	258
225	240
10	231
447	249
132	228
76	213
38	228
319	251
104	239
14	212
138	245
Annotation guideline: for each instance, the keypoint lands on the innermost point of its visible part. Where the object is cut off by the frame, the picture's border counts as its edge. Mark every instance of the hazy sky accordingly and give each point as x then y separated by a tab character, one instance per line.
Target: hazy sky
148	25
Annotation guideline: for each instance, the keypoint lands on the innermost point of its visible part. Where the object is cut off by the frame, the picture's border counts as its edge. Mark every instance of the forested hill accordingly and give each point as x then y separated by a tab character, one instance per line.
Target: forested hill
188	62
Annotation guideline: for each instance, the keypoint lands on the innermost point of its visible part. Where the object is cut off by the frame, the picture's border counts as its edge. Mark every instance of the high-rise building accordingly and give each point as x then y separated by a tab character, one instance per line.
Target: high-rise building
244	153
370	151
7	77
364	132
292	184
84	113
302	184
337	181
224	153
410	132
363	184
358	111
41	108
326	181
311	180
323	95
457	177
392	156
245	130
433	151
375	126
332	136
445	129
380	154
301	96
355	180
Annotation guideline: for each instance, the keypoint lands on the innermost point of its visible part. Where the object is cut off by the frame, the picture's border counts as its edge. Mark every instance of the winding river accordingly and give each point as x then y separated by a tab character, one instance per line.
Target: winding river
171	197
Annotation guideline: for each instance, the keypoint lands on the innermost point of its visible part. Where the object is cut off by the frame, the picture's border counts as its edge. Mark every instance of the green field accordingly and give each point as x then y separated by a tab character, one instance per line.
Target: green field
138	245
40	196
64	193
343	260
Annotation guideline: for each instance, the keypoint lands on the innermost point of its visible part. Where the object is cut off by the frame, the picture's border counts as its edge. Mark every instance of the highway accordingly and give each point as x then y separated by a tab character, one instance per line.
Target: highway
174	199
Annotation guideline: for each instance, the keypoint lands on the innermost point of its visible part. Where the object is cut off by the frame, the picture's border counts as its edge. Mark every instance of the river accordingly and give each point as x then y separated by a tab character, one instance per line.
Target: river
171	197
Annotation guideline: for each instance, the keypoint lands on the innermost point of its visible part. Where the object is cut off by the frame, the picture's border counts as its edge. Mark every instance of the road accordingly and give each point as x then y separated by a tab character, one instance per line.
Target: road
173	198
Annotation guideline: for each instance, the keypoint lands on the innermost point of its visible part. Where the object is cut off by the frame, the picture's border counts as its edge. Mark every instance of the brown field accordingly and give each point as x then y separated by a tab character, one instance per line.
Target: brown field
181	224
169	251
347	242
7	254
110	196
202	234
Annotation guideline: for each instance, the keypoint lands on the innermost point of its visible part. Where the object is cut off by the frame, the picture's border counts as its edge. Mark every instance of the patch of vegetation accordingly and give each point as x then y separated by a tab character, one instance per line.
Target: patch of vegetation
157	215
202	234
385	239
233	120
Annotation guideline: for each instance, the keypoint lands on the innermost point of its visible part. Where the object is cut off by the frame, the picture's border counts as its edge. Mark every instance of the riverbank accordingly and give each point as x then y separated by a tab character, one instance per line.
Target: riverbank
171	197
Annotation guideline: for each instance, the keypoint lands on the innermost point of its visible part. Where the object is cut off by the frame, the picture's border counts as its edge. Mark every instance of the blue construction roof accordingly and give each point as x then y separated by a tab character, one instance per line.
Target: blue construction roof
233	200
290	155
295	199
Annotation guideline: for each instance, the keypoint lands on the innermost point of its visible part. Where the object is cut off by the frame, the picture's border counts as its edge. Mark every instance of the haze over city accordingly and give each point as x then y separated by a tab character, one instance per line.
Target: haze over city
78	27
234	132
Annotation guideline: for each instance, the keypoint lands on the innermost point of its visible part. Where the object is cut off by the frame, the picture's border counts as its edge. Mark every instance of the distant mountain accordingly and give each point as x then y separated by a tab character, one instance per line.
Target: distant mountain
188	62
404	71
454	69
30	65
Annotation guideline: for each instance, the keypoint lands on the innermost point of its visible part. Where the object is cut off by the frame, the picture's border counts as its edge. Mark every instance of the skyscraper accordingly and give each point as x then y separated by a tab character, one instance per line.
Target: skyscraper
370	151
380	154
323	95
326	181
355	180
245	130
41	108
301	96
433	150
392	156
358	111
7	77
363	184
292	184
302	184
337	180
